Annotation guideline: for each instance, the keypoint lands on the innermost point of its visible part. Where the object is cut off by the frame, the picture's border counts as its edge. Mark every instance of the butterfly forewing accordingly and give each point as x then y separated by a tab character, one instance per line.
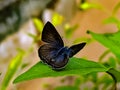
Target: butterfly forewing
76	48
50	35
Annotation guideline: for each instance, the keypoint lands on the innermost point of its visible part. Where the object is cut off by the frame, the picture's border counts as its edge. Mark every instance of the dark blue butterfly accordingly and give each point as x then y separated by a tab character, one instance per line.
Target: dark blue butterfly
53	52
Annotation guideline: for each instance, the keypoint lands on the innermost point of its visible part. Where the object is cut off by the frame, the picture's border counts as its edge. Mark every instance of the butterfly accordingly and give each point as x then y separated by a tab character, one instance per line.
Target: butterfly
53	51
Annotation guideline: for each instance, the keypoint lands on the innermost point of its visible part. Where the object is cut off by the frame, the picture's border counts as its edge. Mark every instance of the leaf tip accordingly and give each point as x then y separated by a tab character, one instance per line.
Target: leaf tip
88	31
15	81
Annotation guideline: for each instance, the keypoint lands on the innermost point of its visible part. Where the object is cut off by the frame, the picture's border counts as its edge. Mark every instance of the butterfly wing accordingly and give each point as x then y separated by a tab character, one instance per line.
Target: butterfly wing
47	52
75	48
50	35
54	43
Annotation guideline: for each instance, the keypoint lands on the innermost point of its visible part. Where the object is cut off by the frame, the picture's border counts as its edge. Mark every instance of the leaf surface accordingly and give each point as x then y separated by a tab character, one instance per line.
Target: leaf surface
75	66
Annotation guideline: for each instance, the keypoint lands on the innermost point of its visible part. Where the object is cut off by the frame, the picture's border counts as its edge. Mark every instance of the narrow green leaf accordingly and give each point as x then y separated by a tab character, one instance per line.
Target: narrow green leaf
104	54
38	24
109	40
13	66
112	20
76	66
32	35
86	6
112	62
66	88
115	74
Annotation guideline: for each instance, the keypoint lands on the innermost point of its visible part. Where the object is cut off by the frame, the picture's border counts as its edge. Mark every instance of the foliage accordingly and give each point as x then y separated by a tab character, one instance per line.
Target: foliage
112	20
12	68
110	41
76	66
85	5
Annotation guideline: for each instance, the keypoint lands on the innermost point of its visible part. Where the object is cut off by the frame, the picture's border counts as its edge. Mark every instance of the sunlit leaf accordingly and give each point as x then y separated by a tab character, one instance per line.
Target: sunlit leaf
12	68
86	5
76	66
112	20
38	24
57	19
109	40
66	88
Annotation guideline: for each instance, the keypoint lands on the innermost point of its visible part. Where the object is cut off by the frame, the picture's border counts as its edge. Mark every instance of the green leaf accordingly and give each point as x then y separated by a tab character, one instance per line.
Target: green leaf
76	66
38	24
32	36
104	54
109	40
112	20
86	5
112	62
12	68
57	19
66	88
115	74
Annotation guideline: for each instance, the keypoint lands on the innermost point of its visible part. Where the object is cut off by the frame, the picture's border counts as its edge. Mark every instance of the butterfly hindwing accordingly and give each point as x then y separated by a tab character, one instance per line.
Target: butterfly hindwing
47	52
76	48
50	35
